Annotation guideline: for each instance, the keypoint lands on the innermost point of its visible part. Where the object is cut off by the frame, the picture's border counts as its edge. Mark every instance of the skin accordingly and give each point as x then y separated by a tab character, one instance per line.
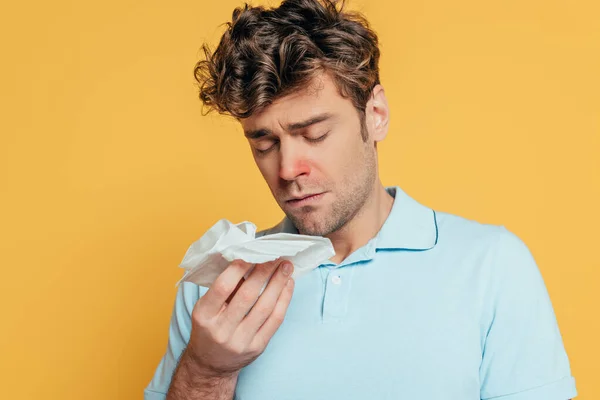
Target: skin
306	143
309	143
229	330
298	153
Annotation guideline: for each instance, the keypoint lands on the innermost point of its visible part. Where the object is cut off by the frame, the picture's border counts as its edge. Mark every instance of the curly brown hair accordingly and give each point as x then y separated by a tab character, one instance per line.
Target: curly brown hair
267	53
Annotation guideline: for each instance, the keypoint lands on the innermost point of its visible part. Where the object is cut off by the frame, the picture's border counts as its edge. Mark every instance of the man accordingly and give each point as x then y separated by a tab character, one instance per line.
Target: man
416	304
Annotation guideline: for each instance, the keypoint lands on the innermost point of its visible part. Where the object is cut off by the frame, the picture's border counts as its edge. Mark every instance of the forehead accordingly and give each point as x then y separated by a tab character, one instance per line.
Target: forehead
320	96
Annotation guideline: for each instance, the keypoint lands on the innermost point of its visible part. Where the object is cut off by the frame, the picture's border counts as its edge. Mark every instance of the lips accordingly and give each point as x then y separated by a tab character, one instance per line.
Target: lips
298	198
305	199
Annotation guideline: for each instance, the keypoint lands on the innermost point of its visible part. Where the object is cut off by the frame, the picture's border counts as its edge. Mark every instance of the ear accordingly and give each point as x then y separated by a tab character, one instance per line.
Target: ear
377	114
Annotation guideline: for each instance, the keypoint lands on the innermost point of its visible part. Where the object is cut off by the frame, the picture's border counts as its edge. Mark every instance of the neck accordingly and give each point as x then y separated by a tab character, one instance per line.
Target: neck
364	226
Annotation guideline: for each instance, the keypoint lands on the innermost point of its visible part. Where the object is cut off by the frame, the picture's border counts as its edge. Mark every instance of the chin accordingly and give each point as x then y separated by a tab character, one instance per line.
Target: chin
311	225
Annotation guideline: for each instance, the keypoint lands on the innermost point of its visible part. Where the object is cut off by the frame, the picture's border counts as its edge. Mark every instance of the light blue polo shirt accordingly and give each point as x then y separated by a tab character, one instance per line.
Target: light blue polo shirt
434	307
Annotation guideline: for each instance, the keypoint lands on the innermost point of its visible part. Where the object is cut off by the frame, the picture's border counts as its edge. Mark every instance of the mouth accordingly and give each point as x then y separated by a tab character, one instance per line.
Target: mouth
305	200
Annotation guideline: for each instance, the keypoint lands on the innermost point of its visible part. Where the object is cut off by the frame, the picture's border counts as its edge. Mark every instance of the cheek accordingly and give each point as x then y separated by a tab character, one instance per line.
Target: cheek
330	162
345	158
352	163
268	170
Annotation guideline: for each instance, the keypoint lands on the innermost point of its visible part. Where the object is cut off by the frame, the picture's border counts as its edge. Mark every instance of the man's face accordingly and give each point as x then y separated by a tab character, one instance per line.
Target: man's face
309	148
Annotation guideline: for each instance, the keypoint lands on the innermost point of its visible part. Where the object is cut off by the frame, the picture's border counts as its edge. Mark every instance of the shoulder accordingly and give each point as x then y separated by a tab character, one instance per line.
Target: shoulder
502	262
499	255
462	233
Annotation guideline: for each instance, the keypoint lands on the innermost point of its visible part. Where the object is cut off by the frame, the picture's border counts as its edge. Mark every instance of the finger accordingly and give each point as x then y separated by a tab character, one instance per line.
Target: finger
235	291
266	302
273	322
214	299
246	296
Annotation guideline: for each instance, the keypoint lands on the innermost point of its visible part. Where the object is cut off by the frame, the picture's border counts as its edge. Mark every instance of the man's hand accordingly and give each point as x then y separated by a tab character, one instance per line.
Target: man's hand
224	339
231	326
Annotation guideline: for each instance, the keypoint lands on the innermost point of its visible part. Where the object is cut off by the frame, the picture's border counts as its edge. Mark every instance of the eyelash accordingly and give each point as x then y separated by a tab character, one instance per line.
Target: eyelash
263	152
319	139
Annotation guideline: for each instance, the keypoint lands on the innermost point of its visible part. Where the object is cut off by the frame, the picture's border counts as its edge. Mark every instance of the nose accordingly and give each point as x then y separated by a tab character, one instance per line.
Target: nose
292	162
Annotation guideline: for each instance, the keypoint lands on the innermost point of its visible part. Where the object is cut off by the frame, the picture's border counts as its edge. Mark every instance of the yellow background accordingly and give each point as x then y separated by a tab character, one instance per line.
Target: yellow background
108	171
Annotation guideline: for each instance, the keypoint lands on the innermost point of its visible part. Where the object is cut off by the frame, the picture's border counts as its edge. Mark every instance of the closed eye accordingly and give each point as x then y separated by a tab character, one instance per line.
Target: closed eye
266	150
318	139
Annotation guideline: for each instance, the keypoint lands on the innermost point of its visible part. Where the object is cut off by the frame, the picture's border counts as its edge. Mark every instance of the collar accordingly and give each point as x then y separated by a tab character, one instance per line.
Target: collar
409	226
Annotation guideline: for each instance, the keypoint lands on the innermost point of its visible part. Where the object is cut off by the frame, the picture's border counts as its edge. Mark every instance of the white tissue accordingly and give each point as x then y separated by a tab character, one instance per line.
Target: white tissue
224	242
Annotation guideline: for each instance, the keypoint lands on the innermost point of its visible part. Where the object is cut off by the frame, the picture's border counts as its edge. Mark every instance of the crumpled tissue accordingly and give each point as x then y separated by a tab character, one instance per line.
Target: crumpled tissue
224	242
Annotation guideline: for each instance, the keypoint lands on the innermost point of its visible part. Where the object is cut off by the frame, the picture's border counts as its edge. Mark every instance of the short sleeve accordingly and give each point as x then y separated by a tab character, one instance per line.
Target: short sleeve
179	334
523	357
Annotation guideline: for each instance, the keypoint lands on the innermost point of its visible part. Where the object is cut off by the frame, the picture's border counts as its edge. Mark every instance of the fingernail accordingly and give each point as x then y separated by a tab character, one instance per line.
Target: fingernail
287	268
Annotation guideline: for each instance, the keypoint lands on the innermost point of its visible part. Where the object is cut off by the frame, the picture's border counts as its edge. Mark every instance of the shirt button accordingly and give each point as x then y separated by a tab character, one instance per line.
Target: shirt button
336	279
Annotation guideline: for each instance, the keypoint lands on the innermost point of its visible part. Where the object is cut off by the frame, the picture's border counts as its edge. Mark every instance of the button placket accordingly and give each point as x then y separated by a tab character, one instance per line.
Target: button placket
337	291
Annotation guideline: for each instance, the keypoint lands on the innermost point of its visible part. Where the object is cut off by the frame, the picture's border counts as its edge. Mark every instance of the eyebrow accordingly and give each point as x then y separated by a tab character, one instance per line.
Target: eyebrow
311	121
258	133
255	134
